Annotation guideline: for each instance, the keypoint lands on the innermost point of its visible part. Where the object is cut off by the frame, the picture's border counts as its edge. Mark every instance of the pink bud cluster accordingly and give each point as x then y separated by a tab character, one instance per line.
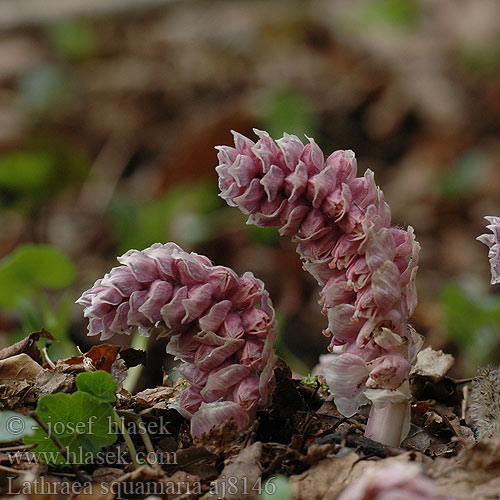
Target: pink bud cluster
493	242
220	325
342	227
401	481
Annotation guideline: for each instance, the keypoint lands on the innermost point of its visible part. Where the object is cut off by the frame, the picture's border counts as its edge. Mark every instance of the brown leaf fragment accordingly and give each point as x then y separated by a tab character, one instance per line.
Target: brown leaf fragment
54	381
194	460
18	395
27	346
141	482
133	357
151	397
220	438
473	474
324	480
286	399
239	477
183	486
331	476
92	491
101	357
106	474
19	367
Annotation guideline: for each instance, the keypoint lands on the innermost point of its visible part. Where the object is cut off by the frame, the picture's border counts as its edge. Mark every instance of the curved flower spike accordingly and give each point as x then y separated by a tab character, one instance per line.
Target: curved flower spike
493	242
222	326
341	225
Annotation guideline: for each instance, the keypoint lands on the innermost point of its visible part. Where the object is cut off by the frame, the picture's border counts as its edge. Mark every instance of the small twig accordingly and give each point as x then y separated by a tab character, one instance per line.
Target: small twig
305	433
337	424
12	470
366	445
461	381
59	446
47	358
21	447
316	389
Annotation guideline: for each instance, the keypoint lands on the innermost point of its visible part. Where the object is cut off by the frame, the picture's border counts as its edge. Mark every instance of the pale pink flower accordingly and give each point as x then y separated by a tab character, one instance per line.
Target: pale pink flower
341	225
222	326
493	242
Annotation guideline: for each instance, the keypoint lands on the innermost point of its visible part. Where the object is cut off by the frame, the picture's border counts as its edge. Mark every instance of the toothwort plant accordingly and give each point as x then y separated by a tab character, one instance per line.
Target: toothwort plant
365	266
220	325
493	242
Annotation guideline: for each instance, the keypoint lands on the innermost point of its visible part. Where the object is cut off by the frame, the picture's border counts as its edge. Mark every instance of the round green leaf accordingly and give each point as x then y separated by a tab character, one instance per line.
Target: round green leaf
30	267
81	422
100	384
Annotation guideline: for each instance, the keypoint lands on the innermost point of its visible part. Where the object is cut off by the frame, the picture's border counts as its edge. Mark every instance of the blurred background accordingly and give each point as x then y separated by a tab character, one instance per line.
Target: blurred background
110	111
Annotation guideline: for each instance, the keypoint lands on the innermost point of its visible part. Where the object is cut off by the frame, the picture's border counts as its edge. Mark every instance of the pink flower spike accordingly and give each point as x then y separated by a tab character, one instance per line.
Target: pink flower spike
342	227
493	242
220	325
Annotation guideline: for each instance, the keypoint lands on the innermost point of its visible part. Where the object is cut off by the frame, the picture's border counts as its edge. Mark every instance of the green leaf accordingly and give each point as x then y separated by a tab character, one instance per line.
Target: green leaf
24	171
30	267
100	384
80	421
73	39
139	225
396	13
13	426
463	177
288	110
472	318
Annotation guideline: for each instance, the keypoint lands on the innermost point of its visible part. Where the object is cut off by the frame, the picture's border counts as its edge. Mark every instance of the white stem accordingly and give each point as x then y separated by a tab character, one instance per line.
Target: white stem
386	425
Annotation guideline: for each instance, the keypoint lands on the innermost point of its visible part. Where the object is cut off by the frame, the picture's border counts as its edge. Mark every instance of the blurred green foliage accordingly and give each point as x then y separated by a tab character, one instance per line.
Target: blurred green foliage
461	179
263	235
481	59
23	275
184	209
473	321
25	171
45	87
73	39
31	267
284	352
30	178
287	110
399	14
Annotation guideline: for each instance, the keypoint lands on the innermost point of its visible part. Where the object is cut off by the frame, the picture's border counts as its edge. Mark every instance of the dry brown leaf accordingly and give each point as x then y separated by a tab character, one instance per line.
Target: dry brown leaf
221	438
101	356
239	477
330	476
153	396
474	474
19	367
324	480
27	346
56	380
194	460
